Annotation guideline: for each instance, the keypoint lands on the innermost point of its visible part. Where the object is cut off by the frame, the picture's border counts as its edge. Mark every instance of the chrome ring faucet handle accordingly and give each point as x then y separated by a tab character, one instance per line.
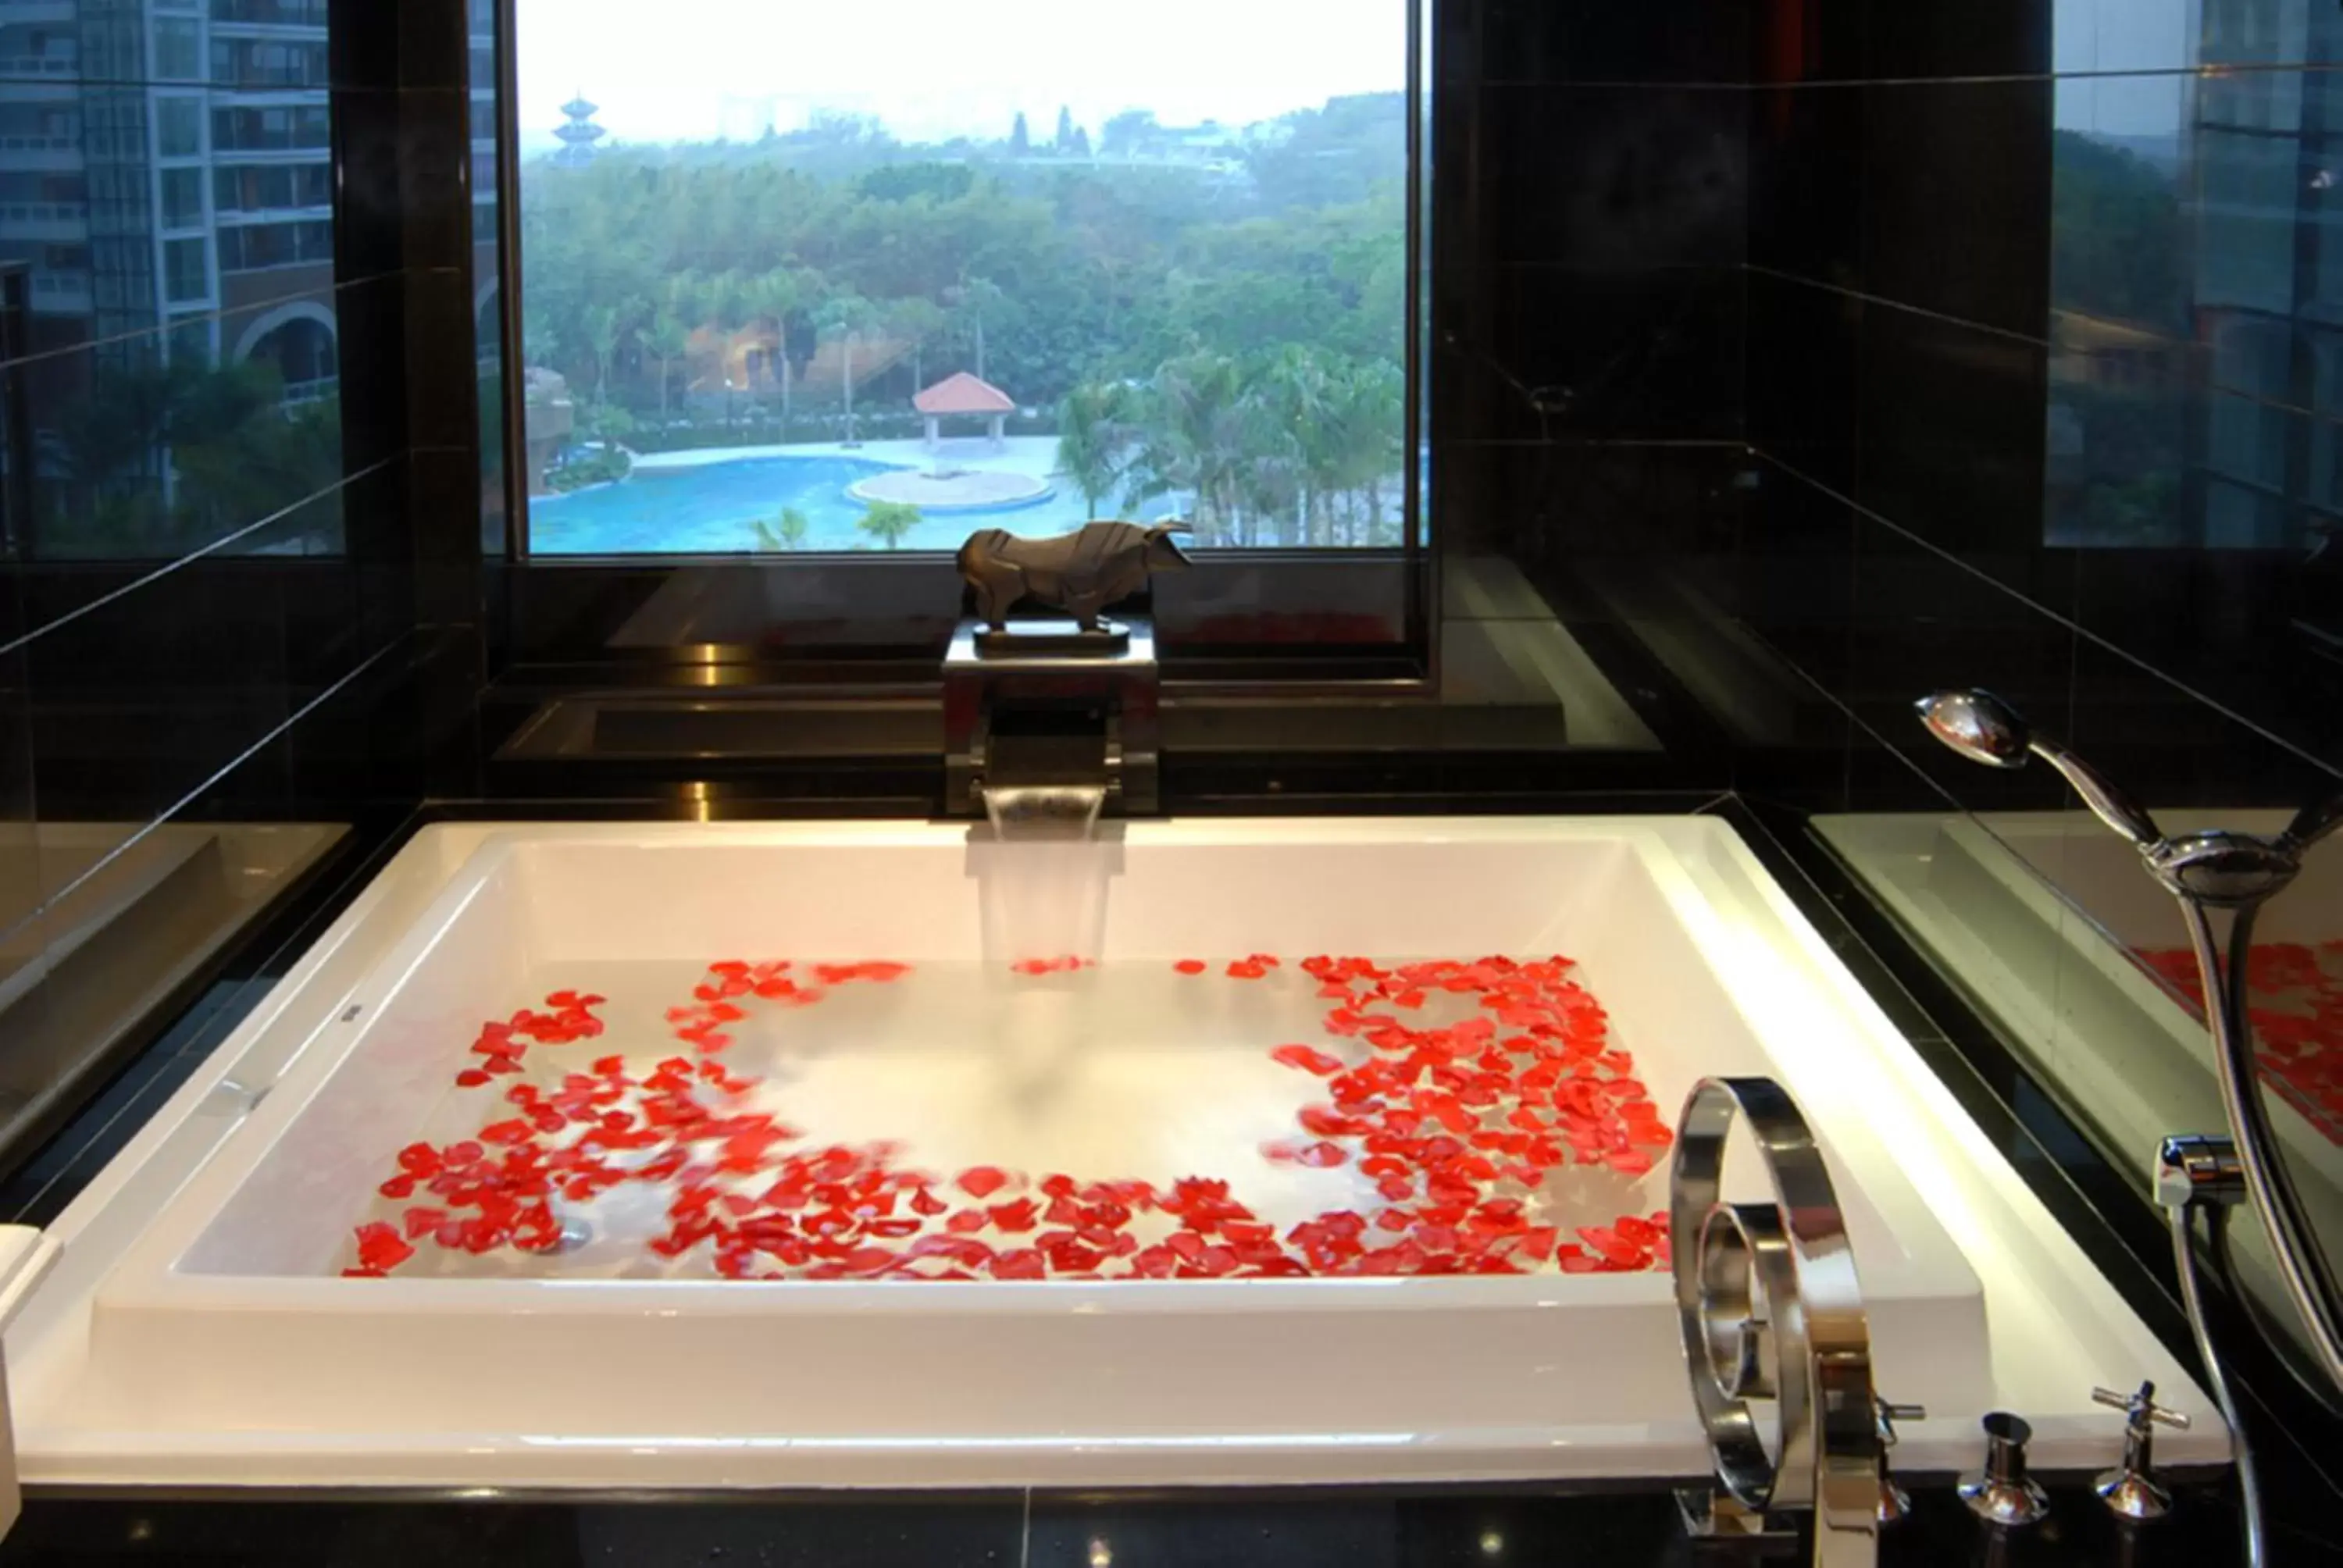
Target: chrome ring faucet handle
2131	1489
1984	729
1770	1309
2003	1494
1895	1503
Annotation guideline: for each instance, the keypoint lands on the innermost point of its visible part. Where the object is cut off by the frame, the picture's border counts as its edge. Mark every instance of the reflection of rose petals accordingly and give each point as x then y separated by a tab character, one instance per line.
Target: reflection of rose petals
1192	966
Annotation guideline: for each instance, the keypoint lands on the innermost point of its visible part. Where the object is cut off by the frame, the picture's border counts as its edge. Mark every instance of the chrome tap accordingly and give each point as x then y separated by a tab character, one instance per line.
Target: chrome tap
2131	1490
1048	736
2003	1494
1895	1503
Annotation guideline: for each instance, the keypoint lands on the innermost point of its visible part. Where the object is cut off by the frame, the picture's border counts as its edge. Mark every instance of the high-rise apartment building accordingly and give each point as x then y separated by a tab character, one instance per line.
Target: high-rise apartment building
2266	195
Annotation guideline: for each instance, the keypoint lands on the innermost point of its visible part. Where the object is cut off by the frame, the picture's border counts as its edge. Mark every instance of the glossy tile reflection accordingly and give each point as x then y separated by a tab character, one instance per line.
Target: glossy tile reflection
202	551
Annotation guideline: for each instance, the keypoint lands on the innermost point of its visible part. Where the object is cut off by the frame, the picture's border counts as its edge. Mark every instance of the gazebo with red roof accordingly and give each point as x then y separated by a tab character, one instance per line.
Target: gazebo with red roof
963	396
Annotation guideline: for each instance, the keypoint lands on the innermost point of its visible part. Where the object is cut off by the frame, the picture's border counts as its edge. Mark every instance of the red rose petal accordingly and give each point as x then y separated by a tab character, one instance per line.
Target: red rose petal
1308	1058
982	1180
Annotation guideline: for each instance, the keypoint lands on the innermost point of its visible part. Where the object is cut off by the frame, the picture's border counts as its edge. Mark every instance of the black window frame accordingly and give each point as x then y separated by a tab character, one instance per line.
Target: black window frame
576	611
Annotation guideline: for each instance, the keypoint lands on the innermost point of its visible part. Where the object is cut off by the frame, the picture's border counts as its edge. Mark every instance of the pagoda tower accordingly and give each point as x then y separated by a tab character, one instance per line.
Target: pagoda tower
579	136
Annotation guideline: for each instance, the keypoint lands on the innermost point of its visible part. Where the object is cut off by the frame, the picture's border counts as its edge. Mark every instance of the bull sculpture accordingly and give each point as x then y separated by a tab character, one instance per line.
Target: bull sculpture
1079	574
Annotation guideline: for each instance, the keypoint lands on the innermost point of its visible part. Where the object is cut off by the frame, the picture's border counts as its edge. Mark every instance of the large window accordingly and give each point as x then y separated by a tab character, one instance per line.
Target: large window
822	277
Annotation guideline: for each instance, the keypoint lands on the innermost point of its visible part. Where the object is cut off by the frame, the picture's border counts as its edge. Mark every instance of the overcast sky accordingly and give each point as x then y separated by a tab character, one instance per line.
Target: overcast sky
2134	46
693	69
932	69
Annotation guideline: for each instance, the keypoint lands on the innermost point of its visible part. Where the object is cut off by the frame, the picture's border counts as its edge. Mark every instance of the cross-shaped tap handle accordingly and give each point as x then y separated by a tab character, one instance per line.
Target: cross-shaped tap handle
2132	1490
1895	1503
2141	1408
1889	1414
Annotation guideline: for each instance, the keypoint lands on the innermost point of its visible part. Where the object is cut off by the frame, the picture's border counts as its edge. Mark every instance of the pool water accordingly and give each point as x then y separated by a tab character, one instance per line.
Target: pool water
713	508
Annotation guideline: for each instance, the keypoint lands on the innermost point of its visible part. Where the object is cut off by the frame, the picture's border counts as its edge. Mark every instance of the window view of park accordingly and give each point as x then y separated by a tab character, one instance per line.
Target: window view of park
799	276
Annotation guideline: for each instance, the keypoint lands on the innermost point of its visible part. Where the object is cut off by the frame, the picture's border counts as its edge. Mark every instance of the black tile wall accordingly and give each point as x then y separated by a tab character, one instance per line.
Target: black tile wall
2021	297
208	589
2040	347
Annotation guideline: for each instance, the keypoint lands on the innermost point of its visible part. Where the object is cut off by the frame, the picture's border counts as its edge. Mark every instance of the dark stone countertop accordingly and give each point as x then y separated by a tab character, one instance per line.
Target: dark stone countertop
1361	1527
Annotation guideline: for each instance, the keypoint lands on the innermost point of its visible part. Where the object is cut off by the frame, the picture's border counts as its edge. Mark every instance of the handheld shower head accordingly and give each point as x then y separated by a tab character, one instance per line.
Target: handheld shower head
1978	725
1984	729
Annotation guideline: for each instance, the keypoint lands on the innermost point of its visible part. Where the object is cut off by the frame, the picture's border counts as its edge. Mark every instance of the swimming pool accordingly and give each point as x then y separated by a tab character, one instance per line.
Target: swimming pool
713	508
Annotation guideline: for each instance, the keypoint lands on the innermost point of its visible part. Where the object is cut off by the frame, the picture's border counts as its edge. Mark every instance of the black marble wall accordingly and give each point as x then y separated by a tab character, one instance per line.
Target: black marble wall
2037	375
209	585
2042	389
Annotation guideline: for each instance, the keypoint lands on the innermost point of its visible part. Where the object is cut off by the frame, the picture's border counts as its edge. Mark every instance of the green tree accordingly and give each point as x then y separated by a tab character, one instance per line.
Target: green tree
776	296
1090	441
1020	137
890	521
1192	422
2119	242
1065	141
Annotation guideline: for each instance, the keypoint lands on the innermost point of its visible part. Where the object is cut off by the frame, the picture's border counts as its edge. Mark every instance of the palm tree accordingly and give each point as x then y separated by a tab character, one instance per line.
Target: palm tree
789	534
847	317
1192	419
602	338
776	295
915	320
974	299
1091	440
1287	454
665	341
889	521
1365	431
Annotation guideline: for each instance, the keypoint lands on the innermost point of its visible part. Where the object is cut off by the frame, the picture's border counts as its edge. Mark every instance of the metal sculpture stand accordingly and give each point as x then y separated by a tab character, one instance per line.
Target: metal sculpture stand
1771	1309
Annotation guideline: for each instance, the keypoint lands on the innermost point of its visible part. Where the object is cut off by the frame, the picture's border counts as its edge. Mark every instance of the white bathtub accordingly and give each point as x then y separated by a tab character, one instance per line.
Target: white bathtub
195	1330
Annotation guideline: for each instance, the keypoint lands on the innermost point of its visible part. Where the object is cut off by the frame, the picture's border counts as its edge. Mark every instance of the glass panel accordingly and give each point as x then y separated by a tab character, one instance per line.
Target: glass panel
183	198
179	127
178	53
186	275
798	279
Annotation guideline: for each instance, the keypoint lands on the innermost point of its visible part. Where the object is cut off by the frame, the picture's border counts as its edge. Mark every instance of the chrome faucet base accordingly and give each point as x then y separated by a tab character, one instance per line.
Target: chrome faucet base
2002	1493
2010	1505
2132	1496
1711	1518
